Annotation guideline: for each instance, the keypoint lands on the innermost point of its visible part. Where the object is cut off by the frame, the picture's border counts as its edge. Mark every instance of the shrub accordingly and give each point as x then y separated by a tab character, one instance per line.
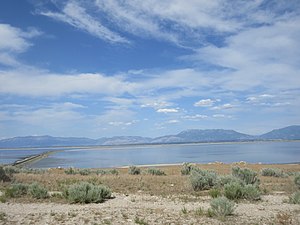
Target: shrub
113	171
246	175
227	179
295	198
85	192
70	171
297	180
272	172
38	191
133	170
3	176
222	207
215	193
104	172
251	192
203	179
154	171
10	170
16	190
186	169
236	190
84	172
233	191
33	171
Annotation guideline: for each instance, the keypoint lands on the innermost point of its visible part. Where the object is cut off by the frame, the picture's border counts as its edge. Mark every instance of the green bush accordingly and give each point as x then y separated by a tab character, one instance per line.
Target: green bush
233	191
272	172
84	172
10	170
246	175
203	179
105	172
37	191
133	170
33	171
227	179
3	175
85	192
222	207
113	171
297	180
215	193
251	192
70	171
157	172
236	190
295	198
186	169
16	190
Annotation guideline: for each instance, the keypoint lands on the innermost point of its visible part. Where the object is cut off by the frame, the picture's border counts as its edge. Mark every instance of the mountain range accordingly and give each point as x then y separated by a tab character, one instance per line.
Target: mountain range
187	136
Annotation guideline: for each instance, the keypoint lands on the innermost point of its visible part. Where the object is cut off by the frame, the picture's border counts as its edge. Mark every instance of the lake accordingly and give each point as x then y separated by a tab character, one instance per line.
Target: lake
106	157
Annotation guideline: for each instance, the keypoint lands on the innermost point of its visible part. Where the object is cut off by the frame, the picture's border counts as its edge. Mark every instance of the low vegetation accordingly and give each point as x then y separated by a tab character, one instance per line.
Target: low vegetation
16	190
186	169
221	185
273	172
85	192
295	198
133	170
297	180
248	176
3	175
203	179
222	207
37	191
156	172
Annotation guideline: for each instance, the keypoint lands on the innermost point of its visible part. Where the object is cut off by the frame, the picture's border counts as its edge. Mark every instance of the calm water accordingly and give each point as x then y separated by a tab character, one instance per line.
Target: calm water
101	157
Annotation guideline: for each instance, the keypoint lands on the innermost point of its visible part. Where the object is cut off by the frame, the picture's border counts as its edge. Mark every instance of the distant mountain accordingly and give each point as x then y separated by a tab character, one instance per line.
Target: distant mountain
287	133
123	140
195	135
211	135
45	141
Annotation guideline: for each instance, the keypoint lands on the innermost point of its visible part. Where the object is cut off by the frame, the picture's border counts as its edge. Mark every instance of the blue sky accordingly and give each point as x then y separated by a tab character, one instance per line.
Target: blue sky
107	68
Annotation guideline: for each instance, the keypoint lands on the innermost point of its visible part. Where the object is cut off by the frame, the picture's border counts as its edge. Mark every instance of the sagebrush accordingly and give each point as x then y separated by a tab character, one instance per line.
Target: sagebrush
85	192
203	179
222	207
38	191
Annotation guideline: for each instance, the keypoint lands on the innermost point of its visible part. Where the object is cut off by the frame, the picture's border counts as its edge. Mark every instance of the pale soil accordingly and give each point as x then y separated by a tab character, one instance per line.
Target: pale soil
135	208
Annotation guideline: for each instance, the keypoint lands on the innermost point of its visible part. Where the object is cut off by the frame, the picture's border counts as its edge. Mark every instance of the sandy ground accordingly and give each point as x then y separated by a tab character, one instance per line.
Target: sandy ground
145	209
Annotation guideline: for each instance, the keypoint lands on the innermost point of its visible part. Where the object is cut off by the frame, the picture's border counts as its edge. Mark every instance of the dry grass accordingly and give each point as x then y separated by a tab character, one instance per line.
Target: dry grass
171	184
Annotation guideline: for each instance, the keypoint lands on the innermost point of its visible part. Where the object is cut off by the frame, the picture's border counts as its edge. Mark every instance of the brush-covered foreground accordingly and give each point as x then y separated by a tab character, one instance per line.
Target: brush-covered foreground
225	194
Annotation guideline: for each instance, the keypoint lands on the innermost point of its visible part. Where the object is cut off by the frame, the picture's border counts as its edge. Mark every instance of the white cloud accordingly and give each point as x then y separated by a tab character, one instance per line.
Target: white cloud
14	41
264	56
167	110
155	104
121	123
204	103
221	116
40	83
195	117
224	106
76	16
172	121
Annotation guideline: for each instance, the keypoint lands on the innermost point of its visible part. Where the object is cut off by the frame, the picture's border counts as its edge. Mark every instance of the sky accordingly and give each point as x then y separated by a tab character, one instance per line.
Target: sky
103	68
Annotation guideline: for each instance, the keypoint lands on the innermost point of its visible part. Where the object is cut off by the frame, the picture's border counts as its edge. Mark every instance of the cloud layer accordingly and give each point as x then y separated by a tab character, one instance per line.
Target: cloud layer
240	63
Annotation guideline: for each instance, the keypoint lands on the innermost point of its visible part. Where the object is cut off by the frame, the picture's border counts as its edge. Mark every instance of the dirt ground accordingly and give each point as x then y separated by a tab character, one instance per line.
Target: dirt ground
146	199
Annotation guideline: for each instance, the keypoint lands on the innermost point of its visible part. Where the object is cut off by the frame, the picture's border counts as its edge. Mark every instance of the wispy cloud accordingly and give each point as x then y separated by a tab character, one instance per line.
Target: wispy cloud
40	83
76	16
204	103
167	110
14	41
